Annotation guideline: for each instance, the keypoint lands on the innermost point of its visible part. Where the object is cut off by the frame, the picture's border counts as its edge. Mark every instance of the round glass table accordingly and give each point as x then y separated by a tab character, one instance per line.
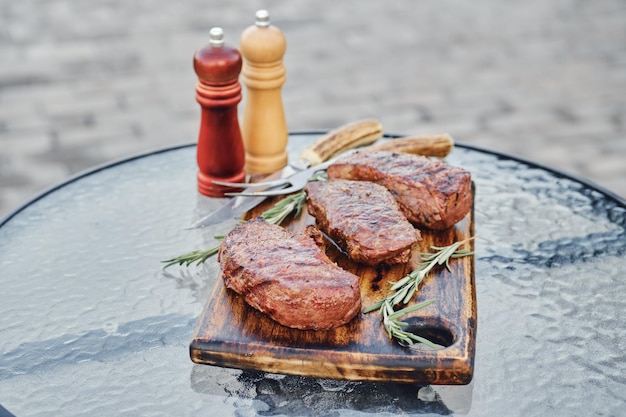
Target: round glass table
90	323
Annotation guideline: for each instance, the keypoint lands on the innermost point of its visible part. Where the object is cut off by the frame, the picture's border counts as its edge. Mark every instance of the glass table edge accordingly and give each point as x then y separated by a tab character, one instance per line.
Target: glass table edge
110	164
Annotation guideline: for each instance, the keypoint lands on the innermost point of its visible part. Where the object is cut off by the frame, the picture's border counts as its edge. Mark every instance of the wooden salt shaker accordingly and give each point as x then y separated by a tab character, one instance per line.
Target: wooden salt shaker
220	152
264	127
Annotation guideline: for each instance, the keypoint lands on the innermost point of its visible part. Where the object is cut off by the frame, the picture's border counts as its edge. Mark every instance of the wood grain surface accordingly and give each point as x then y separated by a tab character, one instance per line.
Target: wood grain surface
229	333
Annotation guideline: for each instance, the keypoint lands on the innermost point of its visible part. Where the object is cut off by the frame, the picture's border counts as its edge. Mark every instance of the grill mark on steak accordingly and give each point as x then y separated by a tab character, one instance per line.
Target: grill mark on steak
363	219
288	277
430	193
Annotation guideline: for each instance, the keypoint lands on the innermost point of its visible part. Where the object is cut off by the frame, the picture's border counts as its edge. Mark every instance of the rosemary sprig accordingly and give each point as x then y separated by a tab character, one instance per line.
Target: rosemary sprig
279	212
408	286
197	256
394	326
275	215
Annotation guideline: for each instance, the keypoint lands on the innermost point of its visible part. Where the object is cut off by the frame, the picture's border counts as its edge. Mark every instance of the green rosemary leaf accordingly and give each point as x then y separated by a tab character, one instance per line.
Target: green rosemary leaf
402	282
373	307
422	340
409	294
461	253
411	309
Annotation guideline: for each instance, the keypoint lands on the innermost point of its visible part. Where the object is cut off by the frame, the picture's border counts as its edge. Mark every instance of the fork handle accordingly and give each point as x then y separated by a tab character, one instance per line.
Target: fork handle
351	135
438	145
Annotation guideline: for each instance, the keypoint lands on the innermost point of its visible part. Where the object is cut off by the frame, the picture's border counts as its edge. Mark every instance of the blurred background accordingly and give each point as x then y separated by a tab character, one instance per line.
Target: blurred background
83	82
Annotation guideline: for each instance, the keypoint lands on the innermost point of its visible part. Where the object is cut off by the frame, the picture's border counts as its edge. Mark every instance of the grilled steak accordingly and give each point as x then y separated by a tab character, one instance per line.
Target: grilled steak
430	193
288	277
363	219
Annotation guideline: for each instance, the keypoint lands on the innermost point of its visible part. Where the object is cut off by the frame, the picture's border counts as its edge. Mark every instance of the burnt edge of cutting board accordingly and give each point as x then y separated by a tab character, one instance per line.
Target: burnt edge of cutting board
231	334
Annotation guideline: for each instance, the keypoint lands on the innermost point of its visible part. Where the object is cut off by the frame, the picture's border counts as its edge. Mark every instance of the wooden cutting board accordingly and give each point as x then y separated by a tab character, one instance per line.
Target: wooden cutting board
229	333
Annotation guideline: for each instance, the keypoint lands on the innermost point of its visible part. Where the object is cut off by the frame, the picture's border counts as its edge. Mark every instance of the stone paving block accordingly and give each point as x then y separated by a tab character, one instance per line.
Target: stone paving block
23	144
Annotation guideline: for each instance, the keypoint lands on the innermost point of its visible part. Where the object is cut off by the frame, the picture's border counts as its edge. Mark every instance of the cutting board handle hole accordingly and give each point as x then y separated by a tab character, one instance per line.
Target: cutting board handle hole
433	330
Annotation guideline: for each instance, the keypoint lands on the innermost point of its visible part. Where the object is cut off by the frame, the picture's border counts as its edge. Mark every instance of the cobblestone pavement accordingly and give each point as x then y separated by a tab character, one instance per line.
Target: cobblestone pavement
85	82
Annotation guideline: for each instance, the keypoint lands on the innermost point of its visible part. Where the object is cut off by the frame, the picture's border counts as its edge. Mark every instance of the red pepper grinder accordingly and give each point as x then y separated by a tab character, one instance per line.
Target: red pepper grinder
220	151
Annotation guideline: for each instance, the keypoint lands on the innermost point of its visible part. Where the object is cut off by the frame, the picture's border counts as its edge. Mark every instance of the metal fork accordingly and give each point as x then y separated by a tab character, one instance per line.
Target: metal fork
296	182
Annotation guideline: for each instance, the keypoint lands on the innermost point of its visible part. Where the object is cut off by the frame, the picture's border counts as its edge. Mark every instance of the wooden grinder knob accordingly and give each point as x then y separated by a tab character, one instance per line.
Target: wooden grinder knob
264	127
220	152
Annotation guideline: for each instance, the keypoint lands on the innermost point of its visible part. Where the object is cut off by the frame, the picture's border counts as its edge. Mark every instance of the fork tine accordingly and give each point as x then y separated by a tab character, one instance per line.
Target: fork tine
265	193
265	184
297	180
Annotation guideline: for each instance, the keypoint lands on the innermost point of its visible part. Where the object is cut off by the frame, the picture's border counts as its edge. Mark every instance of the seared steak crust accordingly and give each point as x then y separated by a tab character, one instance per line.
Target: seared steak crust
363	219
288	277
430	193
